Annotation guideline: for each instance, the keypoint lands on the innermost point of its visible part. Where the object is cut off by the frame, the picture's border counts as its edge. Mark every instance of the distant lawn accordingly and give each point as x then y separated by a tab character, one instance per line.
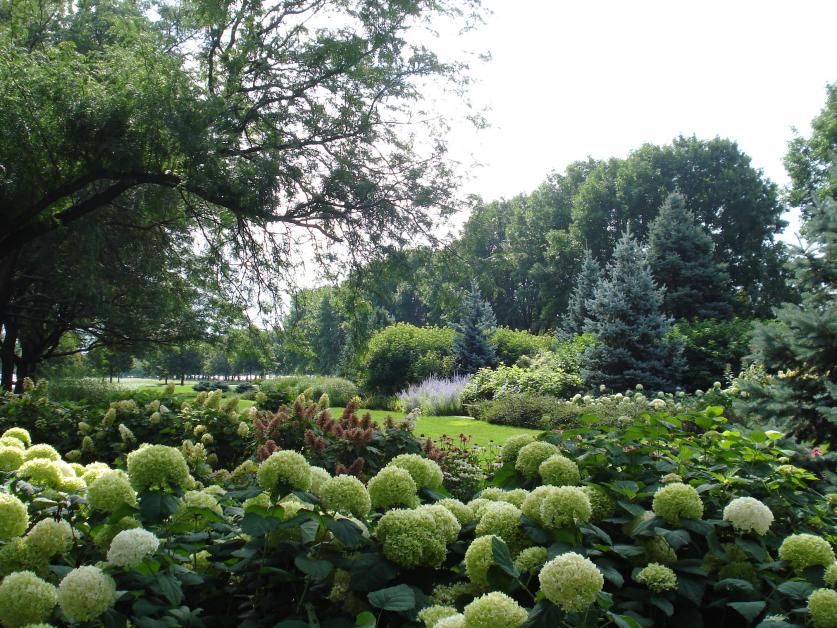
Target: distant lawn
481	433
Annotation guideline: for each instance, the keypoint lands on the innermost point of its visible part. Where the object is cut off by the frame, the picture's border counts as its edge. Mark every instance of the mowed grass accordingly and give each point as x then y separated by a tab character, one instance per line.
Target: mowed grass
481	433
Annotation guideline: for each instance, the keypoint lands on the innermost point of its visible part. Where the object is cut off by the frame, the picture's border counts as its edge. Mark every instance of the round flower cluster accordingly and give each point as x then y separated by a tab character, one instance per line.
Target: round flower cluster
494	610
13	517
108	532
478	559
453	621
670	478
446	524
425	473
601	503
564	507
289	468
19	433
85	593
132	547
677	500
10	458
25	599
747	513
346	494
393	486
49	537
559	470
11	441
657	577
806	550
411	538
531	506
513	446
157	466
503	520
41	471
823	608
192	502
658	404
830	576
464	514
431	615
531	559
110	491
42	451
478	506
571	581
93	471
530	457
318	477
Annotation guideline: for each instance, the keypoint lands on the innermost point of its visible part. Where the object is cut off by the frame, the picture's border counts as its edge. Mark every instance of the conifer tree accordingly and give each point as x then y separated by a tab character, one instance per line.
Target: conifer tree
585	283
799	349
634	341
681	257
471	344
329	339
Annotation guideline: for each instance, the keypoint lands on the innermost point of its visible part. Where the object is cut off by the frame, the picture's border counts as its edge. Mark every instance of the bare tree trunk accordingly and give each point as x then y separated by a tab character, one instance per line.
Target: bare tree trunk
7	356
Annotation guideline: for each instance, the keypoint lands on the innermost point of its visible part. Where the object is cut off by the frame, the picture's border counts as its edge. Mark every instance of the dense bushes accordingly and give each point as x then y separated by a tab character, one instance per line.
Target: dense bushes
713	349
276	392
547	381
513	344
518	409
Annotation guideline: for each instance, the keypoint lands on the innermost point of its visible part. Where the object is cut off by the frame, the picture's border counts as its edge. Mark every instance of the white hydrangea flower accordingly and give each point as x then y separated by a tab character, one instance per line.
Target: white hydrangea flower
131	547
747	513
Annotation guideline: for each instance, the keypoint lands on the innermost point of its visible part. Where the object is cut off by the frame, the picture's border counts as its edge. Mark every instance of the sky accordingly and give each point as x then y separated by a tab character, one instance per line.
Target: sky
600	78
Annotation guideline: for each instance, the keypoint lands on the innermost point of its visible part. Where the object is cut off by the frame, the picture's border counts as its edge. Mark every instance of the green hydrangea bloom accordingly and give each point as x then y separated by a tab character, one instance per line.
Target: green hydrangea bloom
262	500
446	524
531	559
658	550
564	507
830	576
108	532
25	599
530	457
11	441
452	621
286	467
41	471
393	486
132	547
346	494
478	559
430	615
13	517
10	458
806	550
657	578
85	593
677	500
514	496
110	490
19	433
49	537
600	501
42	451
18	555
494	610
503	520
318	477
411	538
478	506
425	473
158	467
463	513
191	503
559	470
93	471
823	608
671	478
72	484
748	514
571	581
531	506
449	594
513	446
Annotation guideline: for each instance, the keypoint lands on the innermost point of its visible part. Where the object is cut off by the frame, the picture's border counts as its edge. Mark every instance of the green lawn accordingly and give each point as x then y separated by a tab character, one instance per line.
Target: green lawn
481	433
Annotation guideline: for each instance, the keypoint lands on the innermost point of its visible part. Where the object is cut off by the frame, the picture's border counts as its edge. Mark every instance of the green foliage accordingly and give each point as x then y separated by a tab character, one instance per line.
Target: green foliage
404	354
491	383
513	344
284	390
471	344
713	349
519	409
633	336
585	284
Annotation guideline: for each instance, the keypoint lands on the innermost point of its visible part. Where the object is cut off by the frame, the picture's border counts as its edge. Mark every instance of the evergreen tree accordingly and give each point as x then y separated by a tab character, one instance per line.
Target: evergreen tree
329	339
634	344
681	257
585	283
471	344
800	348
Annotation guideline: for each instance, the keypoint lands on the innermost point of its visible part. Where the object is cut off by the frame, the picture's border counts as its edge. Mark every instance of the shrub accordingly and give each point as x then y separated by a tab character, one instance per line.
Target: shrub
547	381
435	396
518	409
403	354
284	390
713	348
513	344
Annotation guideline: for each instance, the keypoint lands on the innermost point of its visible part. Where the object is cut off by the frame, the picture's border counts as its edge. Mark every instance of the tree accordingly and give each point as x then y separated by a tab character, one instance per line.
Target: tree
634	344
585	285
108	363
329	341
472	343
681	258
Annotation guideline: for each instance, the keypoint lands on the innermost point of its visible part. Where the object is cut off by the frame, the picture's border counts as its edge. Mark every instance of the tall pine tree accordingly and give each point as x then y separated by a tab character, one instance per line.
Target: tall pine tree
585	283
681	257
471	343
329	339
634	344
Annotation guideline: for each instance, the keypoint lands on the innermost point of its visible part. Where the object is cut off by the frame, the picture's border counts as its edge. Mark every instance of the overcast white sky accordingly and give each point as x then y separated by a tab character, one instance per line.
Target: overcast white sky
599	78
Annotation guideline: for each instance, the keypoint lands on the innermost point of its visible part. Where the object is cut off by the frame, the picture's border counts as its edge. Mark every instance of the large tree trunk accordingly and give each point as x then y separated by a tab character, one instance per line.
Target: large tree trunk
182	379
7	355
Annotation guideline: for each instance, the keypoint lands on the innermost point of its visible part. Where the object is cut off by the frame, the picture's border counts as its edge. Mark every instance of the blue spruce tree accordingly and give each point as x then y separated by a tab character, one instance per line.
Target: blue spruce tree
471	343
585	283
634	341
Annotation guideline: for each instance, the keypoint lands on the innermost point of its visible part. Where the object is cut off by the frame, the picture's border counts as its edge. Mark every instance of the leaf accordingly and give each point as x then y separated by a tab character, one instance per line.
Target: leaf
628	551
796	589
169	587
635	509
365	620
309	530
750	610
647	527
534	531
624	621
698	526
291	623
156	506
317	569
544	615
590	529
691	588
612	574
663	604
399	598
735	585
507	477
753	549
370	571
345	531
502	557
257	525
